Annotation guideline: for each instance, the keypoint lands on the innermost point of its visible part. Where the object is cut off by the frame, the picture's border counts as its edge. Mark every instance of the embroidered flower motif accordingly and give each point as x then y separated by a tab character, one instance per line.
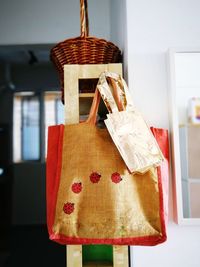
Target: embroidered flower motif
77	187
68	208
116	178
95	177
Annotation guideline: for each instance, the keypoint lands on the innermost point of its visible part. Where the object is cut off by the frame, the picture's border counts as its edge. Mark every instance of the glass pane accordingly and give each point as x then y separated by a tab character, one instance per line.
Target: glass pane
30	128
17	125
59	112
53	110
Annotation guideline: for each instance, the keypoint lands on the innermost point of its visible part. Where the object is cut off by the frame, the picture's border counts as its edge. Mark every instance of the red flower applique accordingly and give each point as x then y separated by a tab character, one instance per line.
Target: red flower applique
95	177
77	187
68	208
116	178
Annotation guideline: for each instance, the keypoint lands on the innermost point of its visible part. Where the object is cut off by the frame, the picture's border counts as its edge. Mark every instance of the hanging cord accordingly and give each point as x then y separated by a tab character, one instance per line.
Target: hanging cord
84	18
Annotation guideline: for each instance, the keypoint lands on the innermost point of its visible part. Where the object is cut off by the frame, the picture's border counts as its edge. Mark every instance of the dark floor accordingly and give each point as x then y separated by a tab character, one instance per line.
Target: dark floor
29	246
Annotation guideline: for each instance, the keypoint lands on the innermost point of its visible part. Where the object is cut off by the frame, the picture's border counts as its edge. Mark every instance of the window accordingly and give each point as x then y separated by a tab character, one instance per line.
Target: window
32	115
53	112
30	128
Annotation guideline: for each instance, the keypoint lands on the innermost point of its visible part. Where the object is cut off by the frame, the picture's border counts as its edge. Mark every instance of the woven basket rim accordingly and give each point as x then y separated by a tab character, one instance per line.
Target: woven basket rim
88	39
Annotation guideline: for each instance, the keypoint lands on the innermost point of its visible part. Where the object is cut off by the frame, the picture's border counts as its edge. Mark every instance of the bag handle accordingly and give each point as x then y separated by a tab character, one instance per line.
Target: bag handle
84	18
116	96
97	97
94	108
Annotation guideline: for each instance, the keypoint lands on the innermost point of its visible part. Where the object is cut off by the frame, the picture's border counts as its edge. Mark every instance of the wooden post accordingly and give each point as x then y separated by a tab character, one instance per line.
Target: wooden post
72	74
73	252
120	256
74	256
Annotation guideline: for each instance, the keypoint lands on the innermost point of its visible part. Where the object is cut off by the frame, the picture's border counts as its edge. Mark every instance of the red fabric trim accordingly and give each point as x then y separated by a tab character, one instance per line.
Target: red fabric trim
161	136
142	241
162	139
53	171
162	211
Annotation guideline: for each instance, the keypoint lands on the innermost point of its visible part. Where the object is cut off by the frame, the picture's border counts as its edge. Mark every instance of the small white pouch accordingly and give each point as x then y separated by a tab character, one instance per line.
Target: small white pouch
129	131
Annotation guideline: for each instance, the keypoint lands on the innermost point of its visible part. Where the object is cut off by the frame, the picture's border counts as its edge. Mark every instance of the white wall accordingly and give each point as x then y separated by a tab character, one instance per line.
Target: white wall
118	31
153	27
49	21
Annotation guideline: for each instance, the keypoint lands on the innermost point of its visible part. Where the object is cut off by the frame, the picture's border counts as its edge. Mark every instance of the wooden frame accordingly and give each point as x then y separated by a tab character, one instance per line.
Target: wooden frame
72	73
174	134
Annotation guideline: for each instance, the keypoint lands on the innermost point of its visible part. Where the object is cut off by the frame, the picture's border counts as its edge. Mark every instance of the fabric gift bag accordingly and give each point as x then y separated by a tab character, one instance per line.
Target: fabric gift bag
128	129
91	196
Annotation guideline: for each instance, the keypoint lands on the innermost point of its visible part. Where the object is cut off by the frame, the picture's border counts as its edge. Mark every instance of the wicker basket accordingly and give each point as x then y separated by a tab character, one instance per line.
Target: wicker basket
83	49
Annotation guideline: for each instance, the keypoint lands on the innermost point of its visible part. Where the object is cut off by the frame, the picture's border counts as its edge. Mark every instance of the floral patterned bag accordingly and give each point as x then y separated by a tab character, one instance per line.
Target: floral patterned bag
91	196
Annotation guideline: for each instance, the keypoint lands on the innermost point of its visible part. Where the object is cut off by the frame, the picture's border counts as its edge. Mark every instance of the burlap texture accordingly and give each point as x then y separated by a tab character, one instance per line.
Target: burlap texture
106	209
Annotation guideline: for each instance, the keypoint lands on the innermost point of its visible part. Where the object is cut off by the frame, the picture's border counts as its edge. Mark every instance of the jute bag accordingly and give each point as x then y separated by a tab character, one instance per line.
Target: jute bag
91	196
127	127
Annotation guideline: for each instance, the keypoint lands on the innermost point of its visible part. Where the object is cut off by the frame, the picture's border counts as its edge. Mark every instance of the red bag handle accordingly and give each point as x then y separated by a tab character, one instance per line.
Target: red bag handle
116	94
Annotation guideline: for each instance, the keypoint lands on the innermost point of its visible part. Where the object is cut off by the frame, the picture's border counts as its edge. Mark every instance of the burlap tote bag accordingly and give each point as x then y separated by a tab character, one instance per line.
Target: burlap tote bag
91	196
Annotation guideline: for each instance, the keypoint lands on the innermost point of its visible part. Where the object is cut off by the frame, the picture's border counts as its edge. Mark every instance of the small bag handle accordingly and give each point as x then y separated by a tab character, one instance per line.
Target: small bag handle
84	21
116	96
94	108
97	97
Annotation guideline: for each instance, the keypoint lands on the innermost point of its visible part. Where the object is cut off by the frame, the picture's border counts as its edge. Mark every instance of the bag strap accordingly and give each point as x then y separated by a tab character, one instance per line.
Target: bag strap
116	95
97	97
94	108
114	92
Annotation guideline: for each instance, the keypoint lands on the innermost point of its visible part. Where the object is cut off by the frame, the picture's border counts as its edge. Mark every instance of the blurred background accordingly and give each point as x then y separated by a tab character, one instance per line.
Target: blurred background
29	103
